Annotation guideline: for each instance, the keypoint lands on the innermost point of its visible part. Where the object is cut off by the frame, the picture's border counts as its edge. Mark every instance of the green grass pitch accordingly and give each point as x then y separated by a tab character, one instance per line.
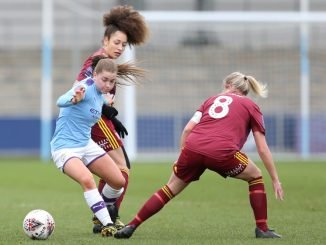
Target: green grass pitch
211	211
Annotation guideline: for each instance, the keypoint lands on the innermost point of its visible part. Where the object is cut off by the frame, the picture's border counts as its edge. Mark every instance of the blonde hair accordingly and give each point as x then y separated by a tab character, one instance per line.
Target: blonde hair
128	72
245	84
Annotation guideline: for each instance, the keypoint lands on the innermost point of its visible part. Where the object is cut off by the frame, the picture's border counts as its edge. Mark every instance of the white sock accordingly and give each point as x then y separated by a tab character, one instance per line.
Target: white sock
97	205
111	195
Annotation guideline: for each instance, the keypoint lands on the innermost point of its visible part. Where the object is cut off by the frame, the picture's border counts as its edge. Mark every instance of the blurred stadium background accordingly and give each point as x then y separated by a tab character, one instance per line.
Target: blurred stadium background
187	61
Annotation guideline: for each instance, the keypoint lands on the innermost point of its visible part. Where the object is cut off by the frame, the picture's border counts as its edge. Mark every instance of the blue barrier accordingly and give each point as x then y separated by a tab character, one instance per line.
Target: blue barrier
19	133
162	132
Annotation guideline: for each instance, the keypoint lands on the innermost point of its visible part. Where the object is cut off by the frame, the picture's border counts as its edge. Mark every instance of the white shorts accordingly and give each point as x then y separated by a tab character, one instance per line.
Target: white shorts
87	154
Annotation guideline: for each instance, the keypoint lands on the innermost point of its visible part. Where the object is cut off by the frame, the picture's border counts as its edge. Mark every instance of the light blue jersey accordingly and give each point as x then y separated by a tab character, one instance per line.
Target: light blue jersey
74	123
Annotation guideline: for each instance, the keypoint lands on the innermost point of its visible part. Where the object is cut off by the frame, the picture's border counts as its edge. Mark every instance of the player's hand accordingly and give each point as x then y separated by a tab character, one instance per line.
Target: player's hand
109	98
109	111
121	130
278	190
79	94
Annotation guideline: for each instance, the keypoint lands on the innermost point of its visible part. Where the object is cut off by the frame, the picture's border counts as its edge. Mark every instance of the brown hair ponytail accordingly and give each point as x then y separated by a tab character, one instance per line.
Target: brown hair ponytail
128	72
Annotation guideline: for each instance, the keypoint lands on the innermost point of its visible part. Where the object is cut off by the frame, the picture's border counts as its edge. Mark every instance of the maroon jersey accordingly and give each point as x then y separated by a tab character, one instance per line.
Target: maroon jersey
87	70
226	122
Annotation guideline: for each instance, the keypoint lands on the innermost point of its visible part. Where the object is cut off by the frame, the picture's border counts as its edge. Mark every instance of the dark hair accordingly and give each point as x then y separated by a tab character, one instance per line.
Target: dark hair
96	59
127	20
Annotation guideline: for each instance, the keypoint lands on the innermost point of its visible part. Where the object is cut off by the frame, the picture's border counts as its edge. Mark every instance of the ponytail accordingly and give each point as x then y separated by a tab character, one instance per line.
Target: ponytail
257	87
128	72
244	84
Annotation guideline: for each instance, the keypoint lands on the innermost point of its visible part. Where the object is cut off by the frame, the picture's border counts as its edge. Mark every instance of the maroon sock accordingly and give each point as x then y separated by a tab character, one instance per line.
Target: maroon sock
258	201
126	176
101	185
154	204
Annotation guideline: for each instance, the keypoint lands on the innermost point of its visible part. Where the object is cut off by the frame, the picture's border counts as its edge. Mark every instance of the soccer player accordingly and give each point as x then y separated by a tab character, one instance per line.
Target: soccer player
73	150
123	26
213	139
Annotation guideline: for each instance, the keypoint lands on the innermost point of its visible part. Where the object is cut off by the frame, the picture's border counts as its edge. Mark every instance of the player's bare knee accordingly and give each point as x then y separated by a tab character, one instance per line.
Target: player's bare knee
258	172
121	183
87	182
255	173
117	183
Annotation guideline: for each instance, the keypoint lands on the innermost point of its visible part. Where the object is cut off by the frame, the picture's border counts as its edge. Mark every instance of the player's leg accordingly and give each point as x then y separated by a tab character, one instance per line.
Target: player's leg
121	159
257	196
106	169
118	157
153	205
188	168
159	199
103	133
76	170
102	165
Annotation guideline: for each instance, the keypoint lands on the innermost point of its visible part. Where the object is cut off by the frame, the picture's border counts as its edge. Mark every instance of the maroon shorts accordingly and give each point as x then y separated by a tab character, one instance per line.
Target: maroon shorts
104	134
191	165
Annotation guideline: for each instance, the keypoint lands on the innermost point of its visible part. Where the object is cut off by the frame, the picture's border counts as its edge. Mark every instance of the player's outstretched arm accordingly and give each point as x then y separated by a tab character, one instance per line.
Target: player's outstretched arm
266	156
72	97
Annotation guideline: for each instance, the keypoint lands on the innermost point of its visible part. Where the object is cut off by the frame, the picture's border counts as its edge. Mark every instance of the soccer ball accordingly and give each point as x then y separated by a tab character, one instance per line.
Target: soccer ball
38	224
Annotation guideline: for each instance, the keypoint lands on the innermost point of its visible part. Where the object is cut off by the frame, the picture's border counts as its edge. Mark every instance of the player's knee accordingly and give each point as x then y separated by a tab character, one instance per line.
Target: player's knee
121	163
87	182
255	173
117	183
121	183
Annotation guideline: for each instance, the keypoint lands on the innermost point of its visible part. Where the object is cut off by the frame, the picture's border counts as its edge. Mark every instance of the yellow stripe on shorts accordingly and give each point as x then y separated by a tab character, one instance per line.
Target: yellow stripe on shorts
241	158
108	134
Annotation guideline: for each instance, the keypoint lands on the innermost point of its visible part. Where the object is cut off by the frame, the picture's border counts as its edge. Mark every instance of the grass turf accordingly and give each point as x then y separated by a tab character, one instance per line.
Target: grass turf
211	211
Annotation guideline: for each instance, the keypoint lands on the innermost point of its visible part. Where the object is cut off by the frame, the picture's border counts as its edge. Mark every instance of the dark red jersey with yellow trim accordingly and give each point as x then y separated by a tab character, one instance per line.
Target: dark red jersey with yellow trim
104	134
226	122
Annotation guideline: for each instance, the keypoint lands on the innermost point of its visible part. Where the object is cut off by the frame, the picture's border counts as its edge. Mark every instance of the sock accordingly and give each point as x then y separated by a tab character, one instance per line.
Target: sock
126	176
110	195
101	184
97	205
258	201
154	204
